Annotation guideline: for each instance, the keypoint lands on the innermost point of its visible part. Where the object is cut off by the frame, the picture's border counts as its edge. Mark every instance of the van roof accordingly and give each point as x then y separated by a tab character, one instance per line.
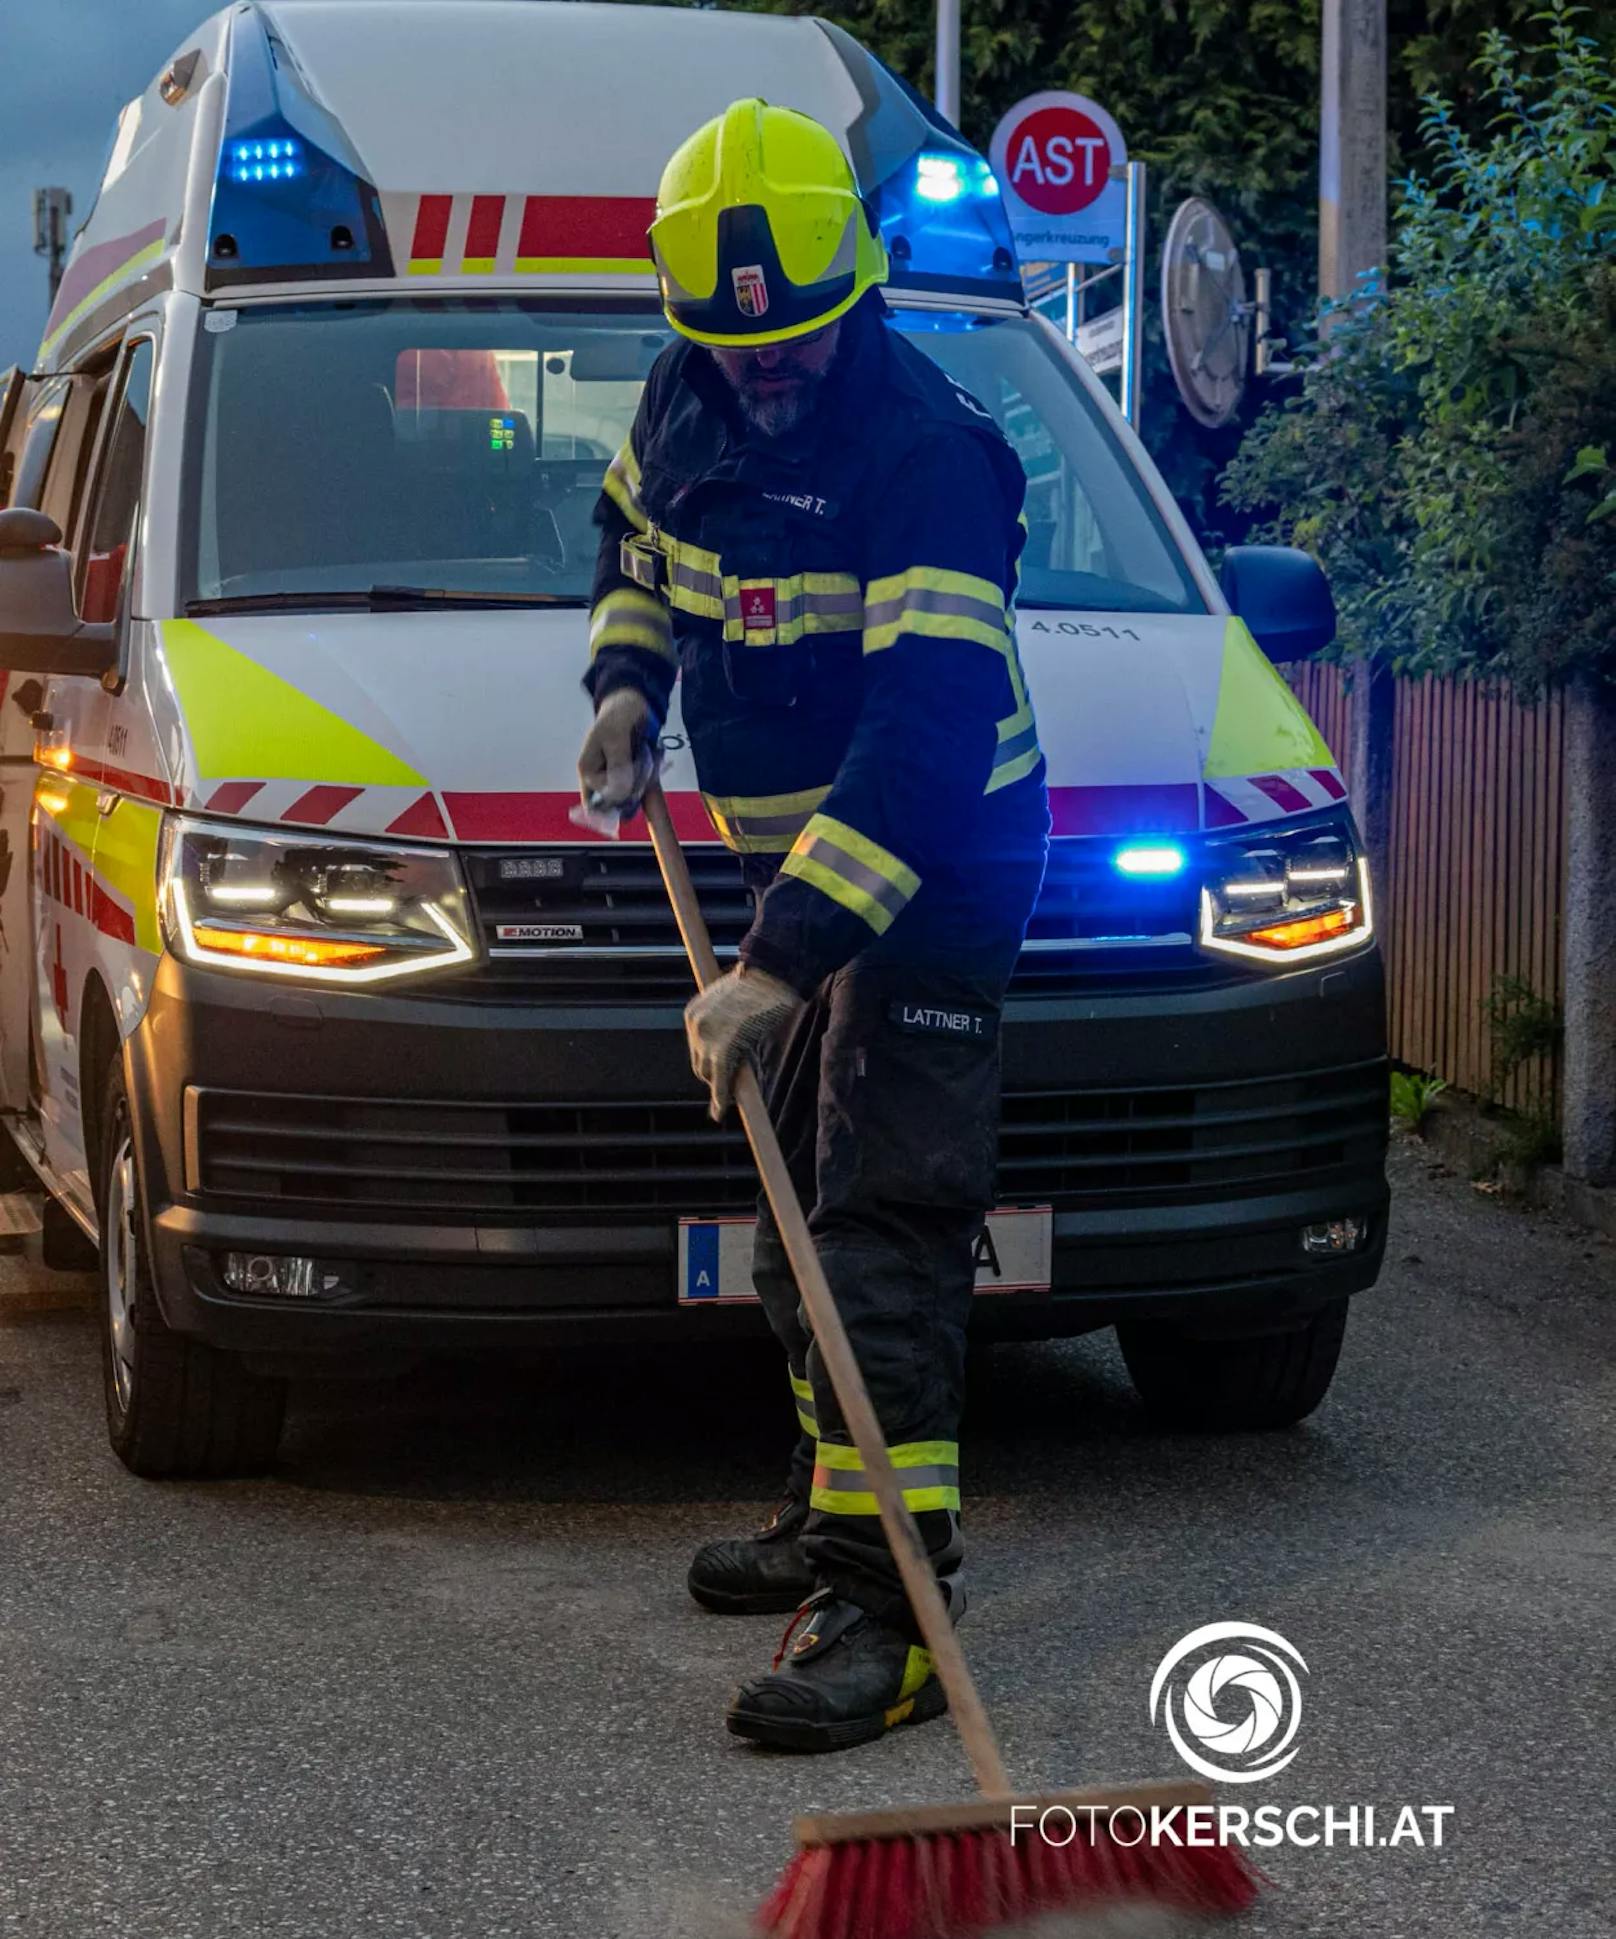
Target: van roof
470	144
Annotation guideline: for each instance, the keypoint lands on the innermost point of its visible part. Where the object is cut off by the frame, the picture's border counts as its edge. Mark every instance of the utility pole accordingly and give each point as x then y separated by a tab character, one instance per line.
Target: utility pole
948	60
1352	239
1352	145
52	207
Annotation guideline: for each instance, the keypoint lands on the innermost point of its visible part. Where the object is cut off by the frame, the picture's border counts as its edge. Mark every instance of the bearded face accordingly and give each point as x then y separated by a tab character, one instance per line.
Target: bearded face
776	384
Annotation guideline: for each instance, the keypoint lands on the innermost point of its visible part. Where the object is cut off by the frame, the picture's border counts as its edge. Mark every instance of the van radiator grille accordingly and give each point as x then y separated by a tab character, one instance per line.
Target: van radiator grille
662	1156
609	933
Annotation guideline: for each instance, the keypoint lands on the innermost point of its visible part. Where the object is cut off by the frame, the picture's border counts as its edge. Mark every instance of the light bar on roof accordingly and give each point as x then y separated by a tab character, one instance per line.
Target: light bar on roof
289	201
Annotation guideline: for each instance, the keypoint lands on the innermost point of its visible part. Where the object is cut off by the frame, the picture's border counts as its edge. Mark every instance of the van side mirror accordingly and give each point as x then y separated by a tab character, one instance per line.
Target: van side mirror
39	630
1282	596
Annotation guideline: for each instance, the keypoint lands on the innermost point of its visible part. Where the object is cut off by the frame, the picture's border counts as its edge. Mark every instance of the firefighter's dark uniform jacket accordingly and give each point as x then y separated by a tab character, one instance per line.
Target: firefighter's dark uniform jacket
836	602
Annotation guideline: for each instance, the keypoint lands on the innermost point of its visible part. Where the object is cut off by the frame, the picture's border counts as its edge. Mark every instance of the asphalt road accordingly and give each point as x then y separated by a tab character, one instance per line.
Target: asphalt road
437	1678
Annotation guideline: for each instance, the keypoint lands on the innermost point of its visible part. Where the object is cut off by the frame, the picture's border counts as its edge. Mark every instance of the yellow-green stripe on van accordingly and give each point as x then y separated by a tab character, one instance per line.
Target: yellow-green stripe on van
244	719
1260	726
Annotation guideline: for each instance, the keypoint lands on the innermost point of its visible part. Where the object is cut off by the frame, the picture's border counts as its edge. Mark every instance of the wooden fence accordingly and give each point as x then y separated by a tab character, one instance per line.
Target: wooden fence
1477	869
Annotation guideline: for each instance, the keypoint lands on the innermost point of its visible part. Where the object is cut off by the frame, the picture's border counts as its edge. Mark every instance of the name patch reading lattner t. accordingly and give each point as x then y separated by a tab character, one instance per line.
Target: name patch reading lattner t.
941	1023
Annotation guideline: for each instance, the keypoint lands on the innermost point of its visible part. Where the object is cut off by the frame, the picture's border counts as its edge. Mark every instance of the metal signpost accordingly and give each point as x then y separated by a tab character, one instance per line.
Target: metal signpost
1073	197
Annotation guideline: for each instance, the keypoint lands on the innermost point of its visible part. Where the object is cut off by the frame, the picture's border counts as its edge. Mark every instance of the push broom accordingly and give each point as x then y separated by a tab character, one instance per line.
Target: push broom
947	1871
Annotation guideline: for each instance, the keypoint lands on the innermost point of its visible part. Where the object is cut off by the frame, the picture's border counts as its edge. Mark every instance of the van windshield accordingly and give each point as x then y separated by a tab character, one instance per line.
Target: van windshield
345	451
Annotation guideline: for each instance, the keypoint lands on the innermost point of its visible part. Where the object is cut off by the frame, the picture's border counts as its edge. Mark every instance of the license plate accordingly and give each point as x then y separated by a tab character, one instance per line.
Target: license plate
715	1256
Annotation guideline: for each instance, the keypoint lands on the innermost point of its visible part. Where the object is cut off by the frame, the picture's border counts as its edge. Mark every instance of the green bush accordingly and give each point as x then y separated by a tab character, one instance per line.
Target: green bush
1446	456
1220	98
1413	1094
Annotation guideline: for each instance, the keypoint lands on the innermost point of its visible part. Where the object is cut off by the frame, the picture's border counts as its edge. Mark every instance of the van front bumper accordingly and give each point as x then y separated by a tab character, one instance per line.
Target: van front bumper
1158	1123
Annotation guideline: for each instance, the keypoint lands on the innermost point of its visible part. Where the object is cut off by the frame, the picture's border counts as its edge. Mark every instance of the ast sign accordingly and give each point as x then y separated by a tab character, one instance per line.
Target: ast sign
1056	156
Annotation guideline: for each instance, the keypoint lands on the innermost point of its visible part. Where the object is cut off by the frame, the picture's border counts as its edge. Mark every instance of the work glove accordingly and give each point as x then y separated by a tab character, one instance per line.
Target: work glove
618	760
731	1019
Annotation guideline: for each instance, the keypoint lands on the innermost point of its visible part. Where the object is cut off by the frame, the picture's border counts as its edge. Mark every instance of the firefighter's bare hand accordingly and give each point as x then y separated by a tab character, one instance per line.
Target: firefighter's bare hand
618	758
731	1019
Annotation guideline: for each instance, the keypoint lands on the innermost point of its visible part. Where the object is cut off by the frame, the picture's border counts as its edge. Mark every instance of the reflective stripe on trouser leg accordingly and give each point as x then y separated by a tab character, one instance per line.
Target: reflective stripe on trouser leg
927	1470
804	1393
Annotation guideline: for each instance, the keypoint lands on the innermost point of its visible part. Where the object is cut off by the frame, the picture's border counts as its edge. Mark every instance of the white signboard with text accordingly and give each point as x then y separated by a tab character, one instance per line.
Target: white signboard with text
1058	158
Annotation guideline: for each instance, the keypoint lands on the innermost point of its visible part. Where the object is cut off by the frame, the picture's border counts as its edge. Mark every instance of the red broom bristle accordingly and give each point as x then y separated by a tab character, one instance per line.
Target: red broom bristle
966	1885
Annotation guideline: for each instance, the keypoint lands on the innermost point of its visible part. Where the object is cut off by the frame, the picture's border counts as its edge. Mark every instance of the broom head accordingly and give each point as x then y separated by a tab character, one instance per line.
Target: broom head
960	1872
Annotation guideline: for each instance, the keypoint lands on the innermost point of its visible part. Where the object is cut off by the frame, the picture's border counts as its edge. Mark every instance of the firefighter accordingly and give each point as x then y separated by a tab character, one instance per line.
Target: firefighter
815	527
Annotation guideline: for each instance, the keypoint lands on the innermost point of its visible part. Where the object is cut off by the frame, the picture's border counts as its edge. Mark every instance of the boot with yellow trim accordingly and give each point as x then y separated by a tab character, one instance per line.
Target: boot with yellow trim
843	1678
763	1574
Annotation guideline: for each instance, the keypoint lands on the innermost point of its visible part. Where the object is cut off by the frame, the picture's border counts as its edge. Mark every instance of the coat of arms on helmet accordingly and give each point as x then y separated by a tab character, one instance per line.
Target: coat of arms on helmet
751	292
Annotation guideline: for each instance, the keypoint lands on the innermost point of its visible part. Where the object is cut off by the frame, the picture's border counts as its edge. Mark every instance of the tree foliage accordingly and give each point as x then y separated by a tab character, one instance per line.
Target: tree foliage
1219	98
1448	454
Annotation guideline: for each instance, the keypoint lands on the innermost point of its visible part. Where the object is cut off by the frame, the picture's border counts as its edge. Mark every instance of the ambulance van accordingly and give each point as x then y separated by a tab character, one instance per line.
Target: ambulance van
332	1039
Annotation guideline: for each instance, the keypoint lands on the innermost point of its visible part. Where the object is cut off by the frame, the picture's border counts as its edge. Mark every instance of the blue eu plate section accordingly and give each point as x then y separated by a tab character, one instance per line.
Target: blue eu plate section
1012	1256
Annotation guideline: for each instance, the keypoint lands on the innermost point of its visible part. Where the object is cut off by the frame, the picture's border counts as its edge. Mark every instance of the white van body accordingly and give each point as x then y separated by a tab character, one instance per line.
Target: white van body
487	167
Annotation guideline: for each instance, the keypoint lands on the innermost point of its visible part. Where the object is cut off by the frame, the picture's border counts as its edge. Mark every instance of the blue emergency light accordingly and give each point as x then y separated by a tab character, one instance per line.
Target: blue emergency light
280	159
945	178
933	197
1149	860
290	199
944	226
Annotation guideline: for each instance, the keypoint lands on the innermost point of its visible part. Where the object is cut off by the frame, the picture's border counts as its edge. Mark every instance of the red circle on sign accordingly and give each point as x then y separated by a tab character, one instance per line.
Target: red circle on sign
1057	160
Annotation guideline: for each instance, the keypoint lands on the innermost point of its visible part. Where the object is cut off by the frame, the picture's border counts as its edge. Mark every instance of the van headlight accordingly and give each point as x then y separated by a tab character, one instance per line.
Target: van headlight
1286	895
293	905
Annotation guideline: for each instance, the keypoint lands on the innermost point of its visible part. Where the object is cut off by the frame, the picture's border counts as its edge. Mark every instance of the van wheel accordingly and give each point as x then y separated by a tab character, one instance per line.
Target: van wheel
1225	1386
175	1406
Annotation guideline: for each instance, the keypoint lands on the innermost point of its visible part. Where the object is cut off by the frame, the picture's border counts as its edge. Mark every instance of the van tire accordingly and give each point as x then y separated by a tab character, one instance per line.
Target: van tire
175	1406
1258	1381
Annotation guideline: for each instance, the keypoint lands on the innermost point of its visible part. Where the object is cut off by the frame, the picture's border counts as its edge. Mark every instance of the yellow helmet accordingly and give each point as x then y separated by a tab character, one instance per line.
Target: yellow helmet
760	233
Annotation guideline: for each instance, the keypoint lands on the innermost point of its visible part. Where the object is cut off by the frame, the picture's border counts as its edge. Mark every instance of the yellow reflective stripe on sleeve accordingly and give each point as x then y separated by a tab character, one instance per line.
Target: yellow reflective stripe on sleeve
789	609
1018	750
622	486
928	600
763	824
629	617
805	1405
851	869
929	1471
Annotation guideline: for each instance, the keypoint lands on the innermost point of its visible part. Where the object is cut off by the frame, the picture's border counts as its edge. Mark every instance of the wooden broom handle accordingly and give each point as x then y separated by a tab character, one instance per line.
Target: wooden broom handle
908	1550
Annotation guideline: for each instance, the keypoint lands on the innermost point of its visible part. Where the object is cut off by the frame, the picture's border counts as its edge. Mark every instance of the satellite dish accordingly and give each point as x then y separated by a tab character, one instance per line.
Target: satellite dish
1205	318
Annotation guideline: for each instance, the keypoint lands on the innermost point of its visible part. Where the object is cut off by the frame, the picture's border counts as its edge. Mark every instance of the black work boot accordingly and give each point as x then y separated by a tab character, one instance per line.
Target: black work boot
765	1574
841	1680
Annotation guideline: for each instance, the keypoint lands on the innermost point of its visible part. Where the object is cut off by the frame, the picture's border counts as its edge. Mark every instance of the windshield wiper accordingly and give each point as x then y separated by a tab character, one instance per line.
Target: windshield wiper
377	599
452	596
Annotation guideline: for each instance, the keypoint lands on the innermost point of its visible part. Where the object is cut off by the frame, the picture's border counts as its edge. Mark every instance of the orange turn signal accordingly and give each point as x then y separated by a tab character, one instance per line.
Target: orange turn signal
308	952
1306	929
